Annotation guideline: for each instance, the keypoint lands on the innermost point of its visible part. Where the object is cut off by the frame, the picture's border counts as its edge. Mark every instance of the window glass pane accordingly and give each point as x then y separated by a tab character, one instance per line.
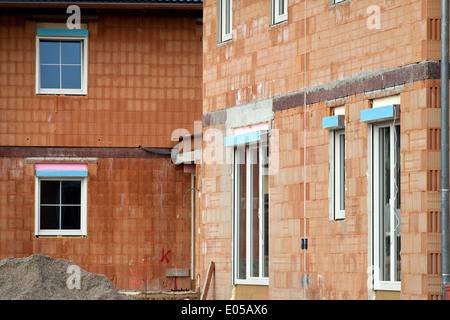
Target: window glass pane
49	217
251	191
227	16
265	230
342	171
255	212
50	77
384	195
241	197
397	203
71	77
70	52
49	52
70	217
49	192
71	192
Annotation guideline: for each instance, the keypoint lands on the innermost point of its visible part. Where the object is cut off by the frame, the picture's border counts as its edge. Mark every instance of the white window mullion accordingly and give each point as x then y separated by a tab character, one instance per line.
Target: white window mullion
239	159
234	218
392	204
376	207
279	10
337	175
261	211
248	219
225	20
83	209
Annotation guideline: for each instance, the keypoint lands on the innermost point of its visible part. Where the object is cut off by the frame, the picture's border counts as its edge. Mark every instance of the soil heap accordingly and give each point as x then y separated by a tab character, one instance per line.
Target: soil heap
41	277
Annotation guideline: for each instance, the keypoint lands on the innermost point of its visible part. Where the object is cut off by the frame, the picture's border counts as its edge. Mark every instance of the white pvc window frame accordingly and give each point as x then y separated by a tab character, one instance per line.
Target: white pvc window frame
337	167
249	160
224	20
84	63
394	214
279	11
83	206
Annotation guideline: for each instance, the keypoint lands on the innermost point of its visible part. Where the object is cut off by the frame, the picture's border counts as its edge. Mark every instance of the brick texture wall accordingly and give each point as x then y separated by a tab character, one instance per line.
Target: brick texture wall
336	263
144	81
263	61
137	221
320	45
213	240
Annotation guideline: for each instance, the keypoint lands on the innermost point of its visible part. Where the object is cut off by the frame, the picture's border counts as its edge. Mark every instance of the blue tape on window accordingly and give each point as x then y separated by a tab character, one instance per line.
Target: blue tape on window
62	173
62	32
333	122
377	114
242	138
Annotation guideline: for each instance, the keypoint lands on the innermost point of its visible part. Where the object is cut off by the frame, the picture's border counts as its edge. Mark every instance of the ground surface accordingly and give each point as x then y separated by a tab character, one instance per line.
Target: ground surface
162	295
41	277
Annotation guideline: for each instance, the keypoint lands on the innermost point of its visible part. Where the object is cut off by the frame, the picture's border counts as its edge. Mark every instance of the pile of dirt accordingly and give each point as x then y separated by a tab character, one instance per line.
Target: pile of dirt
40	277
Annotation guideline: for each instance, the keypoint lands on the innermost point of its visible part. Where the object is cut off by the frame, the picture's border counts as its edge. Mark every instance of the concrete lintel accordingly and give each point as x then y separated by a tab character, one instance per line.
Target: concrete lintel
240	115
248	114
365	82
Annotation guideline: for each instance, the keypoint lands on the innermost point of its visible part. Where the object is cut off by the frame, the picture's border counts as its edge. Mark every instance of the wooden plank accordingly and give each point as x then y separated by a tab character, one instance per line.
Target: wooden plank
208	281
177	272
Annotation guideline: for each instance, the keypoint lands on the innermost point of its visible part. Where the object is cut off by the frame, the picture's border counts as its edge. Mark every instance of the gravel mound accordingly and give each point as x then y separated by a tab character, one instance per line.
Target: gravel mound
40	277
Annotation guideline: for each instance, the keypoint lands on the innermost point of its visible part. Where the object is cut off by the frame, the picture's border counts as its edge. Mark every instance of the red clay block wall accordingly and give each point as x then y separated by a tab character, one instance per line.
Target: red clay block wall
144	81
316	46
137	221
263	61
336	263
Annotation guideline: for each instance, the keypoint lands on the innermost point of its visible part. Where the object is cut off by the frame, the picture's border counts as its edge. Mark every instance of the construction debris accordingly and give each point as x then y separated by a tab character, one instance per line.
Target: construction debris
41	277
162	295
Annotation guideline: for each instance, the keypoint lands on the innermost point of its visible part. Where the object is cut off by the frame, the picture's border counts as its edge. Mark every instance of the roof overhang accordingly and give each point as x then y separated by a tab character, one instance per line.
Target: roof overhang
129	5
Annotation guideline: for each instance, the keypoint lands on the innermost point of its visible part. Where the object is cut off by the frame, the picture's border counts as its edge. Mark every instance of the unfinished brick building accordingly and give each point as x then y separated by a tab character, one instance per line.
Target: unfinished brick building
86	117
340	100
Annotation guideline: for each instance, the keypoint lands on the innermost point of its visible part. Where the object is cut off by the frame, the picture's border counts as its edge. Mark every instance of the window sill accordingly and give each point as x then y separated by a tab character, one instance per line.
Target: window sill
61	93
334	5
59	236
278	24
253	282
388	286
223	43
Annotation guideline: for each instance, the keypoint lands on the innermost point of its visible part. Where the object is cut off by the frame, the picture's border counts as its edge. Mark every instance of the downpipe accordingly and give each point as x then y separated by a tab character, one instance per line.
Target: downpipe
444	147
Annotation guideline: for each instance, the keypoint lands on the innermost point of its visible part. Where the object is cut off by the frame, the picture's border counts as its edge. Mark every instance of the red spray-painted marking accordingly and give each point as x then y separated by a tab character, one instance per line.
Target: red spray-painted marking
164	256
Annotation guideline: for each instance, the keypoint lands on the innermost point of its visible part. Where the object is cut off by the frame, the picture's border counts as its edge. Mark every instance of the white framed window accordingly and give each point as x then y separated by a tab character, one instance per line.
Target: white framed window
60	206
386	206
61	62
337	167
251	215
279	11
224	20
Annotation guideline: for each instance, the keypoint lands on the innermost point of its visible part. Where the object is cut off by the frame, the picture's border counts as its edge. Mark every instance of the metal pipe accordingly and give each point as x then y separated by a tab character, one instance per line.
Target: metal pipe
192	202
444	147
156	150
102	5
